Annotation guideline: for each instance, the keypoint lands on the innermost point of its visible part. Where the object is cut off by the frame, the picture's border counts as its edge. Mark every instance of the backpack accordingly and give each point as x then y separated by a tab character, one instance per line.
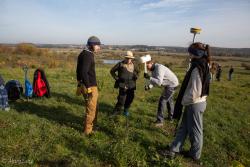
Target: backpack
40	84
28	87
1	80
14	89
3	95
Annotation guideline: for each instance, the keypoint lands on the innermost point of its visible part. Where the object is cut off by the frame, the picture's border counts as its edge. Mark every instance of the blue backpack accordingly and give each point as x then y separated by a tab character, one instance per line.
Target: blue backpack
3	96
28	89
28	86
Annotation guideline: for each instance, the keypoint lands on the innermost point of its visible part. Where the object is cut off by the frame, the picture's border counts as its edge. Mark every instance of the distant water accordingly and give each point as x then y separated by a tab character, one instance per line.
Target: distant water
106	61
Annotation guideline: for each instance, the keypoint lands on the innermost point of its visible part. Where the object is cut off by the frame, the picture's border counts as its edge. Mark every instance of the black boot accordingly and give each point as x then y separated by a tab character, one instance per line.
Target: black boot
117	110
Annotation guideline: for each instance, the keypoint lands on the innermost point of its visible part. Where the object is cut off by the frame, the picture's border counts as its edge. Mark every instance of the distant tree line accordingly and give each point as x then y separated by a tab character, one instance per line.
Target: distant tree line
35	49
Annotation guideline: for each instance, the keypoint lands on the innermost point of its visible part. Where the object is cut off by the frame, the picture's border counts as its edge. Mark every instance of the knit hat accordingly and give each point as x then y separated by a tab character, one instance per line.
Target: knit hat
197	52
93	40
129	55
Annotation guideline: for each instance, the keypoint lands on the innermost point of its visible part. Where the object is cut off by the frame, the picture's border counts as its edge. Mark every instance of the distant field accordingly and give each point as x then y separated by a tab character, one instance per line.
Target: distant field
48	132
66	58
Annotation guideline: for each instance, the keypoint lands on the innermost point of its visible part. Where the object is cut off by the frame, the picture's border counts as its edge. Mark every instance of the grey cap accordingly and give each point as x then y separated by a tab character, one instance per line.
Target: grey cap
93	40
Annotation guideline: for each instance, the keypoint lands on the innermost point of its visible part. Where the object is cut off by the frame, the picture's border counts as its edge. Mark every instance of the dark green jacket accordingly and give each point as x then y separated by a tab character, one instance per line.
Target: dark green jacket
124	78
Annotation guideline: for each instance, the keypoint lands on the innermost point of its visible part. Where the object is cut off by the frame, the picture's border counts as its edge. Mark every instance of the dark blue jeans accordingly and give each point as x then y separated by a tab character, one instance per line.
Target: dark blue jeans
166	101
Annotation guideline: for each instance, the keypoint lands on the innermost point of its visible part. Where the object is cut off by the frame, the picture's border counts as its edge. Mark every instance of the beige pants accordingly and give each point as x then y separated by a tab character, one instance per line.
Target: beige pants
91	108
91	111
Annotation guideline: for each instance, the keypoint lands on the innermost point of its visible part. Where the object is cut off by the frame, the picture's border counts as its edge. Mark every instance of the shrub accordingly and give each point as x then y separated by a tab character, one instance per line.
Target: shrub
26	48
246	66
5	49
169	64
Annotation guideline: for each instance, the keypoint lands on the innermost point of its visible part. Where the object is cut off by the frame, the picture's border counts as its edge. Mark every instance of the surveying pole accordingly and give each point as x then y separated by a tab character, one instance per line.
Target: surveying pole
195	31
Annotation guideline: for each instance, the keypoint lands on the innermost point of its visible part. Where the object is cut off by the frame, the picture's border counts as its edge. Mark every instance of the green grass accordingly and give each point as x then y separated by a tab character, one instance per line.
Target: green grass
48	132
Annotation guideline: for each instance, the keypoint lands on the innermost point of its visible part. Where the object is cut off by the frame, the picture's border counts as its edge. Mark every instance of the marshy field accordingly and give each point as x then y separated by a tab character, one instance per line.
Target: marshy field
48	131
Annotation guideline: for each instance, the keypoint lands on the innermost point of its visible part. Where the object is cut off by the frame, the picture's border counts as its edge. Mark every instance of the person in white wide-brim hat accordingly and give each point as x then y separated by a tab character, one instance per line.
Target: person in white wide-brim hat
129	55
125	73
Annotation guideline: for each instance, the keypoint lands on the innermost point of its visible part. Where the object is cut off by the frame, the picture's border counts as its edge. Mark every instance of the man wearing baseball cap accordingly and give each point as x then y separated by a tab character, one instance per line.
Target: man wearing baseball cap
86	78
125	74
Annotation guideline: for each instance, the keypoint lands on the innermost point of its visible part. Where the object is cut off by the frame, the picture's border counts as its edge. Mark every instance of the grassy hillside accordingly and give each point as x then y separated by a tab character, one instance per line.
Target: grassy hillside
48	132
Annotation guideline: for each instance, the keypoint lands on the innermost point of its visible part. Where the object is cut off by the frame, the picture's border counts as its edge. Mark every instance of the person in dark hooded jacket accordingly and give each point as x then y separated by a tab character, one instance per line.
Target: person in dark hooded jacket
87	84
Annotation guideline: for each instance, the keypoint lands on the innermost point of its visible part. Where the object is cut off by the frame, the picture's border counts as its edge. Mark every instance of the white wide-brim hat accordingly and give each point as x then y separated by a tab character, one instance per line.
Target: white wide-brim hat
129	55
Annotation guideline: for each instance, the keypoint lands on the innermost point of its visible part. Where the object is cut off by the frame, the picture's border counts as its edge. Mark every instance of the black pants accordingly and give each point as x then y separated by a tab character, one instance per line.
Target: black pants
124	99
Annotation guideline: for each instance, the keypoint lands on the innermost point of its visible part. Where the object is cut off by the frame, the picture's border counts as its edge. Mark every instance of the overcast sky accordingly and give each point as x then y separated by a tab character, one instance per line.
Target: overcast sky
224	23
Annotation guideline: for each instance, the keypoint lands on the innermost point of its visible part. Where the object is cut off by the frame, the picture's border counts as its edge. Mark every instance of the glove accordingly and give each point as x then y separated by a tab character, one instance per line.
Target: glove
88	93
134	77
148	87
89	90
146	75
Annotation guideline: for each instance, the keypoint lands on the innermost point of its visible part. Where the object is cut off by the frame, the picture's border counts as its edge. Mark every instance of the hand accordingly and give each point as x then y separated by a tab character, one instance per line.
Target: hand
148	87
79	89
79	83
146	75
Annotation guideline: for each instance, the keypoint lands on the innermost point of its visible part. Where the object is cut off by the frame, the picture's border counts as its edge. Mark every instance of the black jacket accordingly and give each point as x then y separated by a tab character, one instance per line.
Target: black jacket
85	70
231	70
124	79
